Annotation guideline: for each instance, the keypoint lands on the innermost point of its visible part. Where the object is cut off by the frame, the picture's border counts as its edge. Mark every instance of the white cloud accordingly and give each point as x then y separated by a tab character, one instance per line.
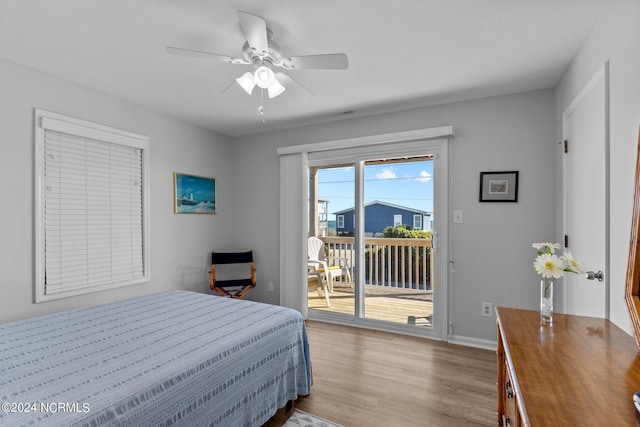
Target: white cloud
387	173
424	176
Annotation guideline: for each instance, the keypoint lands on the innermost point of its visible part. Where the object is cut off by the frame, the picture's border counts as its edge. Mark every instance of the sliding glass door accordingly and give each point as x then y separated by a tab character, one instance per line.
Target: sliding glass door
331	190
376	215
398	219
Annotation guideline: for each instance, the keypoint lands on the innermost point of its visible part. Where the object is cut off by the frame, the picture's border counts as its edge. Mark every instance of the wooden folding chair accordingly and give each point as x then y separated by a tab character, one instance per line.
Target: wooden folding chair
238	285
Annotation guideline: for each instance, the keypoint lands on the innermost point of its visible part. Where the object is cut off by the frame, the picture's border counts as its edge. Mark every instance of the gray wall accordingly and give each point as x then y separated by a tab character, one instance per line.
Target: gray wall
614	38
179	243
492	249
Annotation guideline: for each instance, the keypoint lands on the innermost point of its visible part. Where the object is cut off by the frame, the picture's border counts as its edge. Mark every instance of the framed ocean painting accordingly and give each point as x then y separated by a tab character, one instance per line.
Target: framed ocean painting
194	194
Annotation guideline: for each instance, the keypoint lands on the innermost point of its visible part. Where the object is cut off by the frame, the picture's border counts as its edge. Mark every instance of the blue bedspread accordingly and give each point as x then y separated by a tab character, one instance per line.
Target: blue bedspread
173	358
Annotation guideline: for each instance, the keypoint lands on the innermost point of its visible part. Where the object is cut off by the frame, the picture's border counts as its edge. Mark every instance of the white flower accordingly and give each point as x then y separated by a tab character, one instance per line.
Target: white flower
546	247
572	264
549	265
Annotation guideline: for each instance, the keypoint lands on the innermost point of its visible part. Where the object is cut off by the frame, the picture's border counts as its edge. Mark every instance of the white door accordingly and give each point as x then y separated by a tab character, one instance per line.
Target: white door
586	196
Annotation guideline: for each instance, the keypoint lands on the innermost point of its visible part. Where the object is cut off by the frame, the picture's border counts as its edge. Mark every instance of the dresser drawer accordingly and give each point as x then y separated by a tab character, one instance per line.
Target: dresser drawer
510	417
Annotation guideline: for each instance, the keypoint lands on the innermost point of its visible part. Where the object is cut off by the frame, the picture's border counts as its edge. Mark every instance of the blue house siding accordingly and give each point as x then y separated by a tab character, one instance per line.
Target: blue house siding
378	216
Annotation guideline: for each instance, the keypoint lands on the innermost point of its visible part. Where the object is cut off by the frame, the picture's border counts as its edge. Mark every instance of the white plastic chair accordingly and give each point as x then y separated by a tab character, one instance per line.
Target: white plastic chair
331	267
315	280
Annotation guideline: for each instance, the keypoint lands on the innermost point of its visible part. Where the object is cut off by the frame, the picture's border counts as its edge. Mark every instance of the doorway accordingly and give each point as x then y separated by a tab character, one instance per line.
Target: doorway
398	229
376	216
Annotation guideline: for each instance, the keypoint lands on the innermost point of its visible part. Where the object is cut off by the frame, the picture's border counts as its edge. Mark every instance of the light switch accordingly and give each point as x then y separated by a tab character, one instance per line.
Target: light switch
457	217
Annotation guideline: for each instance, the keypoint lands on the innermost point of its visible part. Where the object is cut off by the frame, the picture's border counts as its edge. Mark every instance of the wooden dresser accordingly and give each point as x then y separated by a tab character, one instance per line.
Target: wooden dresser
582	371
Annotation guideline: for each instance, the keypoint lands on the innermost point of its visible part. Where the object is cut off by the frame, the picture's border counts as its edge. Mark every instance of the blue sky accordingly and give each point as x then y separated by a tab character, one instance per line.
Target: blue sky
407	184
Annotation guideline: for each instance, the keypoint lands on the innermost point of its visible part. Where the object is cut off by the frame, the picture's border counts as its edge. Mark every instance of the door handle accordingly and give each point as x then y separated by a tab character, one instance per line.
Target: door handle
590	275
434	241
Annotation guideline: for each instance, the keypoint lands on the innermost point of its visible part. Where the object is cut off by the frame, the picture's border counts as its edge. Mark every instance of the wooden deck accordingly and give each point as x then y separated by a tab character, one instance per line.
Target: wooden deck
381	303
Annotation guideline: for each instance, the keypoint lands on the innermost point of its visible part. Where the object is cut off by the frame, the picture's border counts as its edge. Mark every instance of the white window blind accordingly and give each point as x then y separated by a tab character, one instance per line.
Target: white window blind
92	211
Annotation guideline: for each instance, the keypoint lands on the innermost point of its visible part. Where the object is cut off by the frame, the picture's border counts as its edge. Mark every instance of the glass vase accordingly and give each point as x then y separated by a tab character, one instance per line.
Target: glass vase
546	301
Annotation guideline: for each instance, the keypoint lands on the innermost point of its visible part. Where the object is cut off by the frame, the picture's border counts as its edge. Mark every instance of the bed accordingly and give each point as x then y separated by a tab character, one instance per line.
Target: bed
172	358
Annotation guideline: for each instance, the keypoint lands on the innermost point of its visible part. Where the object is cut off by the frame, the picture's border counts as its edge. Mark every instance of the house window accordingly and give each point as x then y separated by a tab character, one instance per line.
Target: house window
417	222
91	207
340	221
397	220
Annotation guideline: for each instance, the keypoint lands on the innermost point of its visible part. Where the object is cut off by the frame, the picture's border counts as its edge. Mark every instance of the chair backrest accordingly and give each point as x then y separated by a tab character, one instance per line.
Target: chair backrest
315	248
231	257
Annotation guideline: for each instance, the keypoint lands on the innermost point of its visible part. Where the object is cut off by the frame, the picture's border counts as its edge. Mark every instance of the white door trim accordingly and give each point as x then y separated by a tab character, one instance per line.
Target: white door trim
405	136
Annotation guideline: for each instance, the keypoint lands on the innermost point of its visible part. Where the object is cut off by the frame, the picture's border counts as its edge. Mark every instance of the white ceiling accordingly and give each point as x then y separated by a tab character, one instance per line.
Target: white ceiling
402	53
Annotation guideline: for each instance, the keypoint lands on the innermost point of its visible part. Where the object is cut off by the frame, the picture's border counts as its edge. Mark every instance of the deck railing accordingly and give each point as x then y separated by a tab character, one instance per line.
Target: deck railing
394	262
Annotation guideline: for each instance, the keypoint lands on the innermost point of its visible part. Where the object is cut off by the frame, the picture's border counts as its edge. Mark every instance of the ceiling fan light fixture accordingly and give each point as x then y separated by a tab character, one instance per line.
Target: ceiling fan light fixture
275	89
247	82
264	77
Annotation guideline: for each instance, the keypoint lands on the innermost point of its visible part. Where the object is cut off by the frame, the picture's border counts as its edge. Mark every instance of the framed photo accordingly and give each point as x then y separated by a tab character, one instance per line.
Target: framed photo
194	194
499	186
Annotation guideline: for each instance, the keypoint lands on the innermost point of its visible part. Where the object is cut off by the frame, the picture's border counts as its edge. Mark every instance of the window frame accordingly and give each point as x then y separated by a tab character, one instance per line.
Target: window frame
420	218
48	121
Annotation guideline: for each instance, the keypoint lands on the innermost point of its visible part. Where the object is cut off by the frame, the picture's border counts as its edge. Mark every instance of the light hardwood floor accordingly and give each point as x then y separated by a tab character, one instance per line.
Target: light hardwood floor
370	378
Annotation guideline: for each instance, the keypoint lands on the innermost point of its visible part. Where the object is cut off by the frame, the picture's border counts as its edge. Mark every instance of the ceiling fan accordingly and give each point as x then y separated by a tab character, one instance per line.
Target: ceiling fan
264	54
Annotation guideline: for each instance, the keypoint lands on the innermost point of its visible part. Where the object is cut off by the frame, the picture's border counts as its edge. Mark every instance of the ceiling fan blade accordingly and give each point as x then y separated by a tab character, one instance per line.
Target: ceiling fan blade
284	78
200	54
330	61
255	30
228	87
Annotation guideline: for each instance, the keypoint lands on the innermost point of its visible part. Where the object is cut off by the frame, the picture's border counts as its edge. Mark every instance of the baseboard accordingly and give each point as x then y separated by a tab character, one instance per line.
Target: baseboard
473	342
416	332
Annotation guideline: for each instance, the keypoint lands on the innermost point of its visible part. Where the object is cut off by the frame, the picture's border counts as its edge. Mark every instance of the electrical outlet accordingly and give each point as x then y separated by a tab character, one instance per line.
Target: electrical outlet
270	285
487	309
